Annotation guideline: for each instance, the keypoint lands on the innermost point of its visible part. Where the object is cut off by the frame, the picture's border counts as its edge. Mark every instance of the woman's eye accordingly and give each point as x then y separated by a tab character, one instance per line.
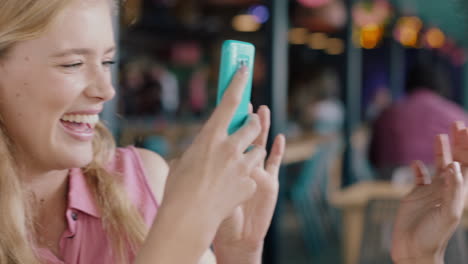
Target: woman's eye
109	63
73	65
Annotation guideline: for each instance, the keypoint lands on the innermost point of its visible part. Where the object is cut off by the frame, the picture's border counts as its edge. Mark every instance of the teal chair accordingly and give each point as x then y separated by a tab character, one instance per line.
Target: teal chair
157	144
319	222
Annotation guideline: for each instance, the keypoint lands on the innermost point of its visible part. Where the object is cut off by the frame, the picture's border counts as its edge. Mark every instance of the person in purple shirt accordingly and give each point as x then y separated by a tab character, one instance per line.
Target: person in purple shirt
405	131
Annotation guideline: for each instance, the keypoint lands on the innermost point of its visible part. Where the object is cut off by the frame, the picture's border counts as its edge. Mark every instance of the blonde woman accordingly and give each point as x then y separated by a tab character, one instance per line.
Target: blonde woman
67	195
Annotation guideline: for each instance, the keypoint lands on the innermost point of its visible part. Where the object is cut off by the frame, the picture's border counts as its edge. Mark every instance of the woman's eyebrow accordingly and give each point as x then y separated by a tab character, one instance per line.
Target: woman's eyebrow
78	51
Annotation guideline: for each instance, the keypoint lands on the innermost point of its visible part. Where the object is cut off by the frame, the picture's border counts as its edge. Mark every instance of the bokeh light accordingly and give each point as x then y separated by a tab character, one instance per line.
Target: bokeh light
260	12
407	31
313	3
298	36
370	36
317	41
435	38
335	46
245	23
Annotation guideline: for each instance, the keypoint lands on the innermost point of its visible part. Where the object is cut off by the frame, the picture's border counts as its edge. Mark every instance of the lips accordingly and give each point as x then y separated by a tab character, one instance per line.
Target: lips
78	127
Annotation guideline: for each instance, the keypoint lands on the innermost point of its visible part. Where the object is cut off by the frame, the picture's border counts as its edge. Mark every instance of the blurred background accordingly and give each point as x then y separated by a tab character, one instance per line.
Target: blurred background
359	87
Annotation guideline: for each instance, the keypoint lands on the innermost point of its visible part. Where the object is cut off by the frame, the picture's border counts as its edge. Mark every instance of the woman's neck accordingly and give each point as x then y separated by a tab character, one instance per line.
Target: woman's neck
47	188
49	199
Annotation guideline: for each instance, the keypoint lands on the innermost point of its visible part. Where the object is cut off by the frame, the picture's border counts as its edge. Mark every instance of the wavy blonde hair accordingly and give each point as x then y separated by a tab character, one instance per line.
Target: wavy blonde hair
20	21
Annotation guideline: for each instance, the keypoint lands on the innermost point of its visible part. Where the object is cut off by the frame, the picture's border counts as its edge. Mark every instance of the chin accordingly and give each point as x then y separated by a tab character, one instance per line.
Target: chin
77	157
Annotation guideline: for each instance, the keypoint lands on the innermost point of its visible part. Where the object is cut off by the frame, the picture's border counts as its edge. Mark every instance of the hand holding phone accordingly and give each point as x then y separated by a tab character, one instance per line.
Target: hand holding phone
235	54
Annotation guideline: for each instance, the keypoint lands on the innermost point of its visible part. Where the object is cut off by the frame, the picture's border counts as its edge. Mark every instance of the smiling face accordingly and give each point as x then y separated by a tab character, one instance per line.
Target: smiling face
53	87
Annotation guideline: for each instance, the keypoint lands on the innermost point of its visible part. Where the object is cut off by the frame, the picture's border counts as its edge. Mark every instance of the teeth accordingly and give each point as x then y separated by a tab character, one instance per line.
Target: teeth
88	119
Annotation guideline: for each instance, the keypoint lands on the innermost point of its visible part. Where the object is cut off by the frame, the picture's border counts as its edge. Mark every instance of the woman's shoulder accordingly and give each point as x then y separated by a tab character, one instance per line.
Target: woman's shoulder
150	168
156	170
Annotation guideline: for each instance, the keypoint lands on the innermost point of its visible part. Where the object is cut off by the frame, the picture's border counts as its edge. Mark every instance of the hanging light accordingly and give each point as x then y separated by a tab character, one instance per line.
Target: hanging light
370	36
298	36
317	41
407	31
245	23
435	38
335	46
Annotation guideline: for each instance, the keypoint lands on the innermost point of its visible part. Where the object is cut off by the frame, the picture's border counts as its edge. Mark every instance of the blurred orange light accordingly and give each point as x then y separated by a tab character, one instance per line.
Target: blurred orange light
245	23
370	36
335	46
317	41
435	38
411	22
409	37
407	31
298	36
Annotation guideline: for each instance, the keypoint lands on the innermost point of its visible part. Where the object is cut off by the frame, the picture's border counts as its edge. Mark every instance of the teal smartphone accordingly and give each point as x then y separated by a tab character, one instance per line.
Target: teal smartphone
234	54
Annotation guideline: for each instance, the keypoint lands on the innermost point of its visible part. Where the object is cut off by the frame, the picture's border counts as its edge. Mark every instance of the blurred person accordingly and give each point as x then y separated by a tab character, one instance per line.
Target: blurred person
317	103
169	86
67	195
198	86
133	79
404	131
380	101
149	97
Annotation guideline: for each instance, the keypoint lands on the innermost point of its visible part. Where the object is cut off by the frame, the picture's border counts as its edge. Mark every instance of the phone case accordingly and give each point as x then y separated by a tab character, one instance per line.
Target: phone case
234	54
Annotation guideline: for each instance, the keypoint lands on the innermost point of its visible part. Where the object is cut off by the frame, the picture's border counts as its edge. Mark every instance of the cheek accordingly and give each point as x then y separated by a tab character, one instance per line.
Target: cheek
51	91
64	90
38	98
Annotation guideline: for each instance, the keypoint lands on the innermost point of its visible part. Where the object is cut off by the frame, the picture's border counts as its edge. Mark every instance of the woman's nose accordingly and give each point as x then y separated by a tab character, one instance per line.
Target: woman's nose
101	88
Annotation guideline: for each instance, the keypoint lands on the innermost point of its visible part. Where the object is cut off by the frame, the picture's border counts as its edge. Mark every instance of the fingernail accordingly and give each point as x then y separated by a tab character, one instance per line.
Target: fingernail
456	166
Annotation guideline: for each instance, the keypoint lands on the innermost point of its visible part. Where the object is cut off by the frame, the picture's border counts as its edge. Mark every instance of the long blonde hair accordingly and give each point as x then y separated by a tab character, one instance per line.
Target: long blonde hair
20	21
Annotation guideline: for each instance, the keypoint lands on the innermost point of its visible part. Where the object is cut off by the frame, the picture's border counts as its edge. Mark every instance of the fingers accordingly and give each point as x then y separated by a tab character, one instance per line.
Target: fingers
457	128
443	154
224	113
254	157
453	176
250	108
460	147
248	133
276	155
454	196
264	114
421	174
463	143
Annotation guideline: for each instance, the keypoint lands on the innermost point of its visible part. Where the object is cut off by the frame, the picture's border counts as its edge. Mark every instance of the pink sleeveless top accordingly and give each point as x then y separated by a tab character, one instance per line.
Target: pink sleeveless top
85	241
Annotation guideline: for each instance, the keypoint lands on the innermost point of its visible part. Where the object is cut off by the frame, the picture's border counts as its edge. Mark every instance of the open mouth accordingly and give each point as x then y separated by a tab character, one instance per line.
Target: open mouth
80	126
